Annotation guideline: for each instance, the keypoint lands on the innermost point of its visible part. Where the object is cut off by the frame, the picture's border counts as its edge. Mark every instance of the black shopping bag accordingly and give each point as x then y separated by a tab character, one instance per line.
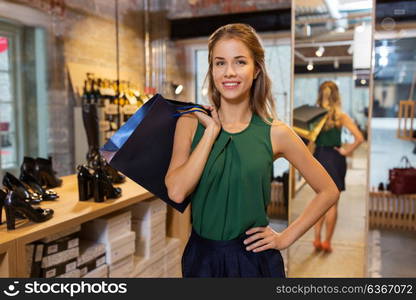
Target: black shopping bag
142	148
307	116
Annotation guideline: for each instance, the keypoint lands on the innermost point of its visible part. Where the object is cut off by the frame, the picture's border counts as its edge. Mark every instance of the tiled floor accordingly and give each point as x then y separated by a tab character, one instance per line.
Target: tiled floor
348	243
398	253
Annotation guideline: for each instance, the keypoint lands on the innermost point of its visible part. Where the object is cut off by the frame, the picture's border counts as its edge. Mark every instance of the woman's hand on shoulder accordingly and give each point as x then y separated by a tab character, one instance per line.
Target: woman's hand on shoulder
210	123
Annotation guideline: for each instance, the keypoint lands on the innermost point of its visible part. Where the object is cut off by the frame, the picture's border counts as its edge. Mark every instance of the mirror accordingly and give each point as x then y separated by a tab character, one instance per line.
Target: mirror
392	212
332	60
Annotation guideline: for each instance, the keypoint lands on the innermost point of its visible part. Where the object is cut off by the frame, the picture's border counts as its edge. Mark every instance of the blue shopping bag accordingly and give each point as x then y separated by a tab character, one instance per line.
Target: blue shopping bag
142	148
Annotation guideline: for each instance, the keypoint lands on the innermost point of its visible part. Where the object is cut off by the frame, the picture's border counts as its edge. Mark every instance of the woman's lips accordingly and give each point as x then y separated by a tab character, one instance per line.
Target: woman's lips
231	84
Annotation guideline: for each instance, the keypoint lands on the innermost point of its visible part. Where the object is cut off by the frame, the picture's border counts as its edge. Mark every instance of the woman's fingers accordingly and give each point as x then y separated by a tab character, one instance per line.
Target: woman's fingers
253	238
264	247
258	244
255	229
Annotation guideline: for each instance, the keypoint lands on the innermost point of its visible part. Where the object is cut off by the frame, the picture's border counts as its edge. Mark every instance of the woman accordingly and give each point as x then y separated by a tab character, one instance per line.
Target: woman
225	162
331	155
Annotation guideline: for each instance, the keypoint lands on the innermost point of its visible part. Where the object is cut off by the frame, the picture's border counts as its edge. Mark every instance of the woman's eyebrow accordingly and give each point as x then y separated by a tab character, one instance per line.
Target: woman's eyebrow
235	57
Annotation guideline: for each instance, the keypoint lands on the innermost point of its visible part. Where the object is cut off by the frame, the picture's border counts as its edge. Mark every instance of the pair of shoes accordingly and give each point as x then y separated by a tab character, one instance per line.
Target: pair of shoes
16	207
22	190
28	188
97	185
31	182
317	244
41	169
326	246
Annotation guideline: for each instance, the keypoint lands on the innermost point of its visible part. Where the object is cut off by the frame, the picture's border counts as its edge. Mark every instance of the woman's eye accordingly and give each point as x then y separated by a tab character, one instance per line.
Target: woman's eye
219	63
241	62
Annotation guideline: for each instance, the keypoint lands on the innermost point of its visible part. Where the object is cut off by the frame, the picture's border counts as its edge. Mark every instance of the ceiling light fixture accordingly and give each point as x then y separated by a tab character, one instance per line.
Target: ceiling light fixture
320	51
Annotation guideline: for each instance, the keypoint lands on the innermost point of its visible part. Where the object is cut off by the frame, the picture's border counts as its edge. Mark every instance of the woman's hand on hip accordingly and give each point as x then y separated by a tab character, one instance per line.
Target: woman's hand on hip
342	151
264	238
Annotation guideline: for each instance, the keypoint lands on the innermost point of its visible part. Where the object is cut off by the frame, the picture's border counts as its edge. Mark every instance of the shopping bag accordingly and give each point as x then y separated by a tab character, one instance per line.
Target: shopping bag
307	116
142	148
308	122
403	179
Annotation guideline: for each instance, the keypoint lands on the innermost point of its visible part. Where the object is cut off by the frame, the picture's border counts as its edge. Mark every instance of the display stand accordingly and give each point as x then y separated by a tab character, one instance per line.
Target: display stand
70	212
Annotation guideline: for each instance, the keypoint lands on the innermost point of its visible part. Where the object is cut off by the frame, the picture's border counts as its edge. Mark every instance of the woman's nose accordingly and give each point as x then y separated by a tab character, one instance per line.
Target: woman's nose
229	71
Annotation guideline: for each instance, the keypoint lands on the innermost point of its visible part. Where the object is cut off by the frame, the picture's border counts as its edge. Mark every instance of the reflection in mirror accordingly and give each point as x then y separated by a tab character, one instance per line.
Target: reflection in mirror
392	205
331	94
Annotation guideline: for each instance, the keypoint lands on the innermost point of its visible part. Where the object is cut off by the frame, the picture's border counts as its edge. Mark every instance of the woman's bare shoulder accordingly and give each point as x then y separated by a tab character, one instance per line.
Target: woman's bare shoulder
280	128
187	124
281	136
188	120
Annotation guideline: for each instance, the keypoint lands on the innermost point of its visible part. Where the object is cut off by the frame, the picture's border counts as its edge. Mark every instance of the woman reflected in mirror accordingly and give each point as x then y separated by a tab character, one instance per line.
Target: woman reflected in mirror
332	154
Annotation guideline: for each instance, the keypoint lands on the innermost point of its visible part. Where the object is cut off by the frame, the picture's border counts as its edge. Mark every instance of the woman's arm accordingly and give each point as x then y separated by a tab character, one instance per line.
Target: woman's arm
348	149
287	144
186	168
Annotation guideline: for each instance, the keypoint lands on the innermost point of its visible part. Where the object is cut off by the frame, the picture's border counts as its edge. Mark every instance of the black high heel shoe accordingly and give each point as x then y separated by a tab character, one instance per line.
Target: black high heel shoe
46	173
28	166
47	195
14	184
14	203
114	175
85	183
3	195
103	188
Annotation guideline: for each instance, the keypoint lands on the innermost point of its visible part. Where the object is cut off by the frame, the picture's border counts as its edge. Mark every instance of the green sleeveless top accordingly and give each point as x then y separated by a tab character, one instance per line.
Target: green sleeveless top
329	138
234	189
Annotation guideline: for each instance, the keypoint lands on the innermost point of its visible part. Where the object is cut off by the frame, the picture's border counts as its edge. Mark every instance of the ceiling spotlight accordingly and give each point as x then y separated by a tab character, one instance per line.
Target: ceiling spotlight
309	66
307	30
320	51
363	81
336	64
177	88
204	91
383	61
350	50
383	51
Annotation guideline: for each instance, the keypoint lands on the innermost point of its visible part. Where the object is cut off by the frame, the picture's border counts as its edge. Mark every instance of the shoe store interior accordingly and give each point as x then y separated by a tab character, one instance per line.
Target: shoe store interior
73	72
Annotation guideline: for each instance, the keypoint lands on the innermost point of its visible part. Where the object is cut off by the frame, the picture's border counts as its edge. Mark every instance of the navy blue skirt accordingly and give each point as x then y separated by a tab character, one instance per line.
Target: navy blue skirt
210	258
334	163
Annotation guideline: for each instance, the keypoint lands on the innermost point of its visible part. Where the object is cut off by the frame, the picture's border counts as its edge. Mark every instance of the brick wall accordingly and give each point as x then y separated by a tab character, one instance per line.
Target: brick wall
84	32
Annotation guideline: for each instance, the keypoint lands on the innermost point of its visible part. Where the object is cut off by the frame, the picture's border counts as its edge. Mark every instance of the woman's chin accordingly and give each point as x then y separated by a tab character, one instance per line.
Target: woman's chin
234	96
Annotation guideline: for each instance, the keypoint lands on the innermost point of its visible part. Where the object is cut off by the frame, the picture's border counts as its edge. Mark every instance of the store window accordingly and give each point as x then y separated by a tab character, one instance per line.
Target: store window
10	144
394	76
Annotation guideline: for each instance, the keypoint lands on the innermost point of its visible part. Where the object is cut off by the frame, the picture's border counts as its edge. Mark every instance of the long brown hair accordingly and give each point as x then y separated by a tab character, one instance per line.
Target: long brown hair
334	113
261	98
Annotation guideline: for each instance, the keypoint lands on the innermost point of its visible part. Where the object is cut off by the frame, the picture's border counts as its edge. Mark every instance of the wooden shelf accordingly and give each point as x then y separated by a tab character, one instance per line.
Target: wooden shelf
68	212
406	130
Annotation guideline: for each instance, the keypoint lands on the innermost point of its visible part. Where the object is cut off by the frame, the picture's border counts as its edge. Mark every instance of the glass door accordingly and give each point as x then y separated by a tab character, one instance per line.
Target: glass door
10	138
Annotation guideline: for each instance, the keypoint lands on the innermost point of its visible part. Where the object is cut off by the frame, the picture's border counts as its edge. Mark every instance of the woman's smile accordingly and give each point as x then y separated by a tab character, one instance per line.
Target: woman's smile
231	85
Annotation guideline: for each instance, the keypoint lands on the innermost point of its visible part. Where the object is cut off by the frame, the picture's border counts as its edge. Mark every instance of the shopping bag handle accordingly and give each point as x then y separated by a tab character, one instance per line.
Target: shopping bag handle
407	163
